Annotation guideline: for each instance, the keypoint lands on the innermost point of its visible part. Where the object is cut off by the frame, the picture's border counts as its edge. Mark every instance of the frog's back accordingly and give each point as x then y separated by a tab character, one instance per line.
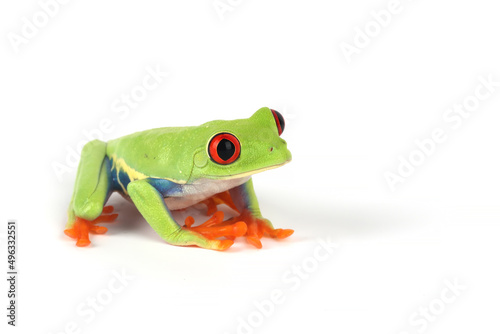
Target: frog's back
142	135
145	140
152	153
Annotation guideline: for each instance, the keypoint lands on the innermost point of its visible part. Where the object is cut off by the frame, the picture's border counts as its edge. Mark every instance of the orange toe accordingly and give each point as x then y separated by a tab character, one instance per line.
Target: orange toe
239	229
224	244
83	242
281	233
108	209
105	218
254	241
216	219
189	221
98	229
70	232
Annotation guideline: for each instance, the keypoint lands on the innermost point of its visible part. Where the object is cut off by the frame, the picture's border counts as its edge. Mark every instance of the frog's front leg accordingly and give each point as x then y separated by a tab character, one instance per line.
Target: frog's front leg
92	190
151	205
246	202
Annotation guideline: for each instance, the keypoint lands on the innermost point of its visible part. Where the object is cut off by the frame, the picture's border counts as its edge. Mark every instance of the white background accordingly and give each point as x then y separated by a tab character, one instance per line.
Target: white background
347	124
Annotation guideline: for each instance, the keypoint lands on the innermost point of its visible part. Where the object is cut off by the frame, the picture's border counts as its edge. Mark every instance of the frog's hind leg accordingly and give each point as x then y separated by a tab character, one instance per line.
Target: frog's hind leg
92	190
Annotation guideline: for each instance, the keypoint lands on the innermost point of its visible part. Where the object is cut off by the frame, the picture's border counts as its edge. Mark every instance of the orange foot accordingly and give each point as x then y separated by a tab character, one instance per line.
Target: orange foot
259	227
215	227
243	225
82	227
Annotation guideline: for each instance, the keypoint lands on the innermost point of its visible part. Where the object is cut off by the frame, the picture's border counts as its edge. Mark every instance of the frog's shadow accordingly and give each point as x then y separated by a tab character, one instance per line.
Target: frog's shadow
129	220
344	220
309	219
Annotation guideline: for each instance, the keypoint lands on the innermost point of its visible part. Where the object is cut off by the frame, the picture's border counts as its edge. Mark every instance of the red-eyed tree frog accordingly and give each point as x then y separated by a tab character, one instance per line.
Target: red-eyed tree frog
173	168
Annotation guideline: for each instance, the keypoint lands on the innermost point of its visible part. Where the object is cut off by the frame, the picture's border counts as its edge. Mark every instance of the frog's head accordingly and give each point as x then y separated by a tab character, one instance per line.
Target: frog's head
242	147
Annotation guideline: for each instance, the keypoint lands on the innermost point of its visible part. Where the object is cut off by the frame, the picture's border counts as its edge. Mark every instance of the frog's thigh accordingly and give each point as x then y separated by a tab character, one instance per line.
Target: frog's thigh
151	205
93	181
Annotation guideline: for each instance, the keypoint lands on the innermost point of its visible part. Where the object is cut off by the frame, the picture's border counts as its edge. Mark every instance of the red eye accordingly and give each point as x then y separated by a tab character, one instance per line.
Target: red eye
280	121
224	148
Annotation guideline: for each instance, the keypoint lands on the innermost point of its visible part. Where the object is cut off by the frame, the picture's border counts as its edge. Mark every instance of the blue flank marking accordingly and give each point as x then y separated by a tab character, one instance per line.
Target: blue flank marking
108	171
164	187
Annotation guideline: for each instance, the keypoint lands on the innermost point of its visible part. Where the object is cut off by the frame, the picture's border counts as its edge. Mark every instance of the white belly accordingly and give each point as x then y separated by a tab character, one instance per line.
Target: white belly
200	190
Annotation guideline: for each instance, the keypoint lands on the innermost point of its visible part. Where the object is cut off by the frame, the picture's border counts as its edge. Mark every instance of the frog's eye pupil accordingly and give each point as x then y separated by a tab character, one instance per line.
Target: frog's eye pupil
280	121
224	148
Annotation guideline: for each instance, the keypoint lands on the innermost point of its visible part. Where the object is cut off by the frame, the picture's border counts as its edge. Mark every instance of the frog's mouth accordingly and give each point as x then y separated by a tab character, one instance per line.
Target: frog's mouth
249	173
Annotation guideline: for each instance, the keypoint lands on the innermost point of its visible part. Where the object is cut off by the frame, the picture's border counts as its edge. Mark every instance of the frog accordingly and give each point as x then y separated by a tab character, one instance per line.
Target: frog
167	169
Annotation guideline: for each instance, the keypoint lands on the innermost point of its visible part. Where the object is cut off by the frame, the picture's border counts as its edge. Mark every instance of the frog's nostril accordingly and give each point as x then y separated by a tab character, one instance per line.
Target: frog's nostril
271	149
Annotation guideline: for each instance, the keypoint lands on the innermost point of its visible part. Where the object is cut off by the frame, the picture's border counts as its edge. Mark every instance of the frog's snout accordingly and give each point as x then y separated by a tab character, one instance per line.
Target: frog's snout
278	146
280	151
